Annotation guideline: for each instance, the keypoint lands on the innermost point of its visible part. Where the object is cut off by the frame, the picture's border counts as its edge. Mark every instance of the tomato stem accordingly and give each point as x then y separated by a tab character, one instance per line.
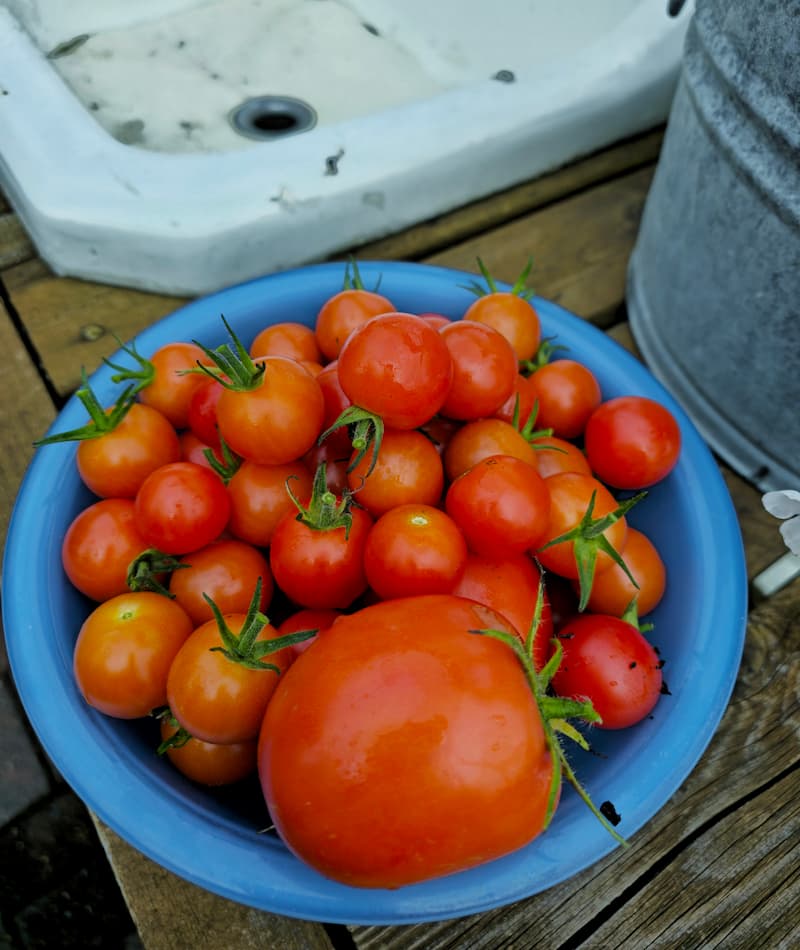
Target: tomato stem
143	376
232	367
179	738
366	434
324	512
230	464
101	422
145	570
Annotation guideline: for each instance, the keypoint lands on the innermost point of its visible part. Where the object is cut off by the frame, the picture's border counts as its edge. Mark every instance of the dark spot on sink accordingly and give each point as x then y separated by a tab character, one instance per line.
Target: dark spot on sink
371	29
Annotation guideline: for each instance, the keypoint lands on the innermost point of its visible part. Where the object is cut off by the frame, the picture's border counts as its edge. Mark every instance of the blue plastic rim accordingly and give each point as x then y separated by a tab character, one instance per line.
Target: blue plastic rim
216	843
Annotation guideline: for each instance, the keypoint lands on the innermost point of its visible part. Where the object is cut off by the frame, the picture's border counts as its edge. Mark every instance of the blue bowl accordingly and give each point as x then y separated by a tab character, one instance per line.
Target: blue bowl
214	839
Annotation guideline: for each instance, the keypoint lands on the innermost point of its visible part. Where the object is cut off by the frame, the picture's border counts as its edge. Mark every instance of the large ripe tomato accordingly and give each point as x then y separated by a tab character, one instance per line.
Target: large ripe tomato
568	393
484	370
182	507
632	442
612	590
408	471
227	571
277	420
398	367
99	546
114	465
124	651
385	741
172	388
259	498
414	549
501	506
610	663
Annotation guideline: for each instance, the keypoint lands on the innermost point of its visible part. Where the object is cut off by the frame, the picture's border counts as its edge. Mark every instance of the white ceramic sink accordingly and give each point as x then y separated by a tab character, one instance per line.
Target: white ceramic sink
119	147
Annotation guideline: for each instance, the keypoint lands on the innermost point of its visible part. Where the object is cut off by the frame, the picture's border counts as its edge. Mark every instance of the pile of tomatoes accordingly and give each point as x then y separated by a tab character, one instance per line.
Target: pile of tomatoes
431	512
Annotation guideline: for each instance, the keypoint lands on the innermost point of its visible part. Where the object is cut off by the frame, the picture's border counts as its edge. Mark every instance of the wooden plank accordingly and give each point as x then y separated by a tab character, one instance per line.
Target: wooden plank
172	914
580	247
754	750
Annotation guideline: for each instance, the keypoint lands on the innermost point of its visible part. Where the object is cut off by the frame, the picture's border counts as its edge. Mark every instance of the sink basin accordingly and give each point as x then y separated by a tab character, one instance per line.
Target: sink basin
183	146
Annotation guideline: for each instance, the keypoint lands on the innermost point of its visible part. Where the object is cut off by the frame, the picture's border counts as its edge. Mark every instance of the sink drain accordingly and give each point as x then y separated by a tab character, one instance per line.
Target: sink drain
270	117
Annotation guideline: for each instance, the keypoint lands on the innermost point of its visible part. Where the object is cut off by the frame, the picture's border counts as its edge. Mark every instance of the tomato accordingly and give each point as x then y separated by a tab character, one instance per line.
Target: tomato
336	400
294	340
612	590
398	367
568	393
408	470
193	449
99	545
215	698
202	413
124	651
182	507
414	549
172	388
522	401
320	568
484	370
554	455
570	495
259	498
513	316
632	442
227	572
501	506
210	763
342	313
277	421
334	452
510	586
479	439
436	320
114	465
384	742
308	618
609	662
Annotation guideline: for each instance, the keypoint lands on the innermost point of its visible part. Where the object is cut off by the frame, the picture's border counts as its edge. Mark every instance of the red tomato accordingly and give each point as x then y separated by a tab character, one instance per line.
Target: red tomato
384	742
114	465
309	618
436	320
342	313
501	506
510	586
202	414
193	449
215	698
484	370
124	651
522	401
397	367
554	455
210	763
513	316
335	452
408	471
612	590
172	388
632	442
259	498
227	572
294	340
99	546
414	549
568	393
279	420
610	663
336	400
320	568
479	439
182	507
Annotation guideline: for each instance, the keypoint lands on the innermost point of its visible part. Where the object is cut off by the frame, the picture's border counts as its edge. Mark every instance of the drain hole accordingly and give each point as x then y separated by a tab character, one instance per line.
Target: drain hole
269	117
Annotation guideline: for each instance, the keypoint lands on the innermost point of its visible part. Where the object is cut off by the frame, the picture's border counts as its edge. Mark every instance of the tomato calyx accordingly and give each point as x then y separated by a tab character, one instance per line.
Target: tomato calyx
519	288
366	434
230	463
231	366
588	540
244	648
179	738
146	570
542	357
101	422
527	430
141	377
324	511
355	282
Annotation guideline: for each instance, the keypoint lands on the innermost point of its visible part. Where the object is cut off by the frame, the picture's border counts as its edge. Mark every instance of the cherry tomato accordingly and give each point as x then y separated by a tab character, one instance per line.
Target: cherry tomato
114	465
172	387
554	455
479	439
398	367
279	420
408	470
568	393
259	498
436	320
336	400
124	651
522	401
484	370
294	340
215	698
202	413
513	316
182	507
384	742
414	549
308	618
193	449
612	590
226	571
99	546
632	442
209	763
609	662
501	506
335	452
342	313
